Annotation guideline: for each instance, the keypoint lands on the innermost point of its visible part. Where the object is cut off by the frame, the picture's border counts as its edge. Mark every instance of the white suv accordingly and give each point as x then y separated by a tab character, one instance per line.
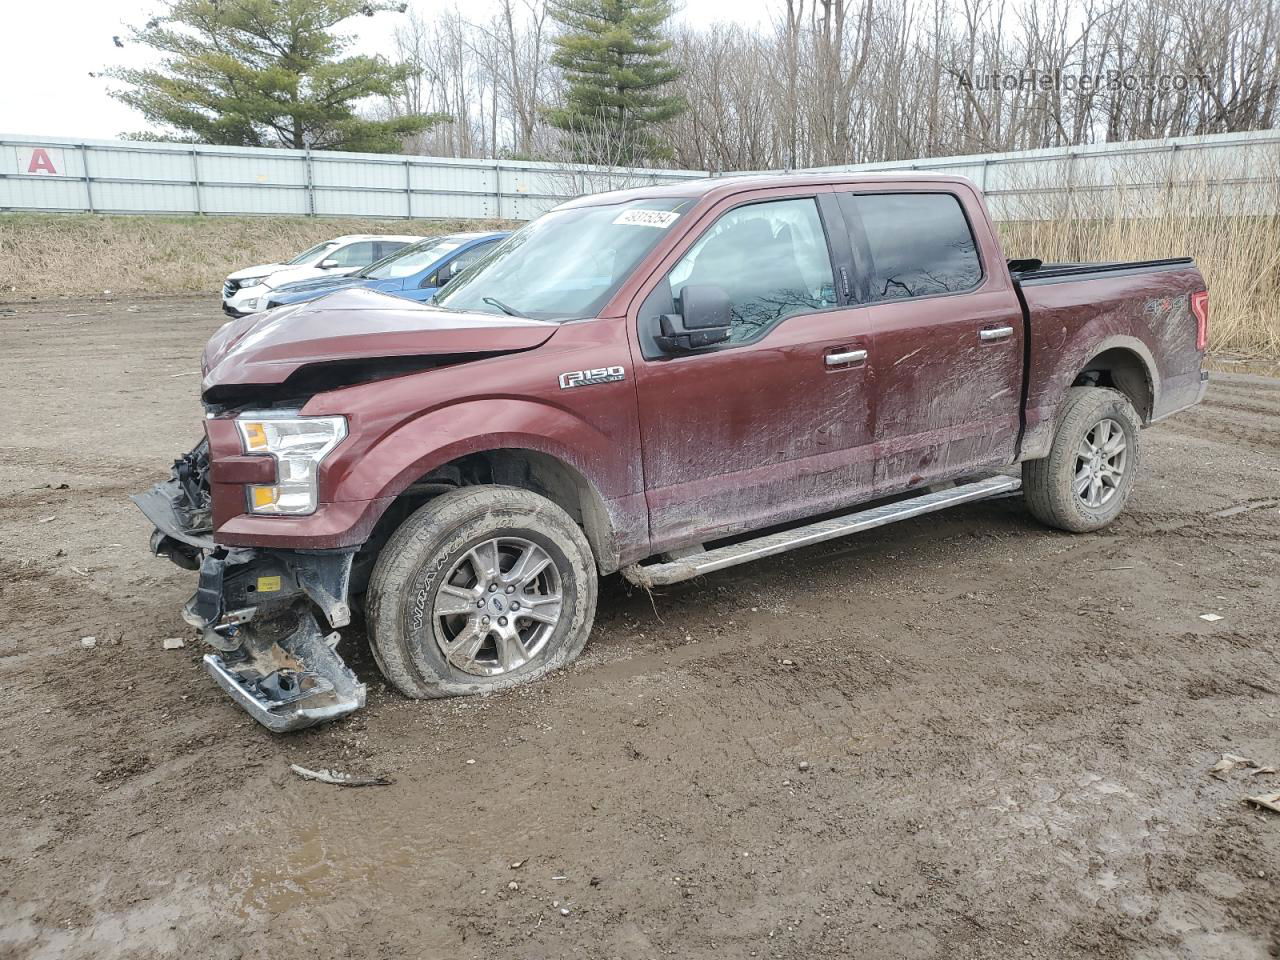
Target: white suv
333	258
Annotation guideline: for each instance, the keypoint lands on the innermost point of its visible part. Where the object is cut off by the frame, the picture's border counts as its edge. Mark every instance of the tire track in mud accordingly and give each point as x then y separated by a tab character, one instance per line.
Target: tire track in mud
1239	527
1204	425
1218	402
1231	380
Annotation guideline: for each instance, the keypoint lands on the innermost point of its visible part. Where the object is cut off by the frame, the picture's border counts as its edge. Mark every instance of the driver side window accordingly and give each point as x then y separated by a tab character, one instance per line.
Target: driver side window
770	258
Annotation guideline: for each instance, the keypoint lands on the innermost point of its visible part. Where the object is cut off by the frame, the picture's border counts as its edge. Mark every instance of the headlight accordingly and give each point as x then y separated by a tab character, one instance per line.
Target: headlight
299	445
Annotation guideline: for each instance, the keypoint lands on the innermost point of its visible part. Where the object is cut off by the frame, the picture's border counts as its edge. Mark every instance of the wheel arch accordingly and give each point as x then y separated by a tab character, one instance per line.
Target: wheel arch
1124	364
539	471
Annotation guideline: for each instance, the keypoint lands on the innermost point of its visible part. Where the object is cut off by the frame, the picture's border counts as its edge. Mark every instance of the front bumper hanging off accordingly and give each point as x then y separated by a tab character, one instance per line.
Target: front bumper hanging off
296	682
255	608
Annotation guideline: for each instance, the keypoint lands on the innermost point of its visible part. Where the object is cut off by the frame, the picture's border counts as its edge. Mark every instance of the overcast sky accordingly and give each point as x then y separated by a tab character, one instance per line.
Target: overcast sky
49	49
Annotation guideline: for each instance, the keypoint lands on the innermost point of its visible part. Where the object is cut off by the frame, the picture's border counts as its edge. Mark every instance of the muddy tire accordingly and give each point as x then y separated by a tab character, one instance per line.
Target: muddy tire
481	589
1085	481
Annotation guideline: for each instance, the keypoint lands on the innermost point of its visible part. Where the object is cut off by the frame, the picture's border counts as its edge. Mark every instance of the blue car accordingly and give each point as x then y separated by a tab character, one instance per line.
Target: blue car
414	272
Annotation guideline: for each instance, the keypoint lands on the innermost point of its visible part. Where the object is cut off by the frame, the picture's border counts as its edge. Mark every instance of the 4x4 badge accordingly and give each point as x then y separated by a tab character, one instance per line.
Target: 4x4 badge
585	378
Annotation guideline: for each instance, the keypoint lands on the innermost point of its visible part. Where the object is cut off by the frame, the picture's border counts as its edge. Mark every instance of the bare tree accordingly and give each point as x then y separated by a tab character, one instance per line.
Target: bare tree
846	81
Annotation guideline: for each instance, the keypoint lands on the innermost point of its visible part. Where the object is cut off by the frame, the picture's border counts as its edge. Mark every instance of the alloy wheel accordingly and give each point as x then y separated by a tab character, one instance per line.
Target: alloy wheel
498	606
1100	463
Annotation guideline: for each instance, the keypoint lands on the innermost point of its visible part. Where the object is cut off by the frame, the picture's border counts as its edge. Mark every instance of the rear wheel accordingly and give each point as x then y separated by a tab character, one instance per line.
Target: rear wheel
1085	481
480	589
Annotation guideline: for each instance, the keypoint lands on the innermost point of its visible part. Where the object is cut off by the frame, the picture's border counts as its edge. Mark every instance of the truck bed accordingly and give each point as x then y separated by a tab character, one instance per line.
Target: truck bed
1074	311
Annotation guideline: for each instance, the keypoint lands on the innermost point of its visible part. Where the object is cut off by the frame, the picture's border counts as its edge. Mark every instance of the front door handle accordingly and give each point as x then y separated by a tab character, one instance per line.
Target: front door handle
995	333
845	356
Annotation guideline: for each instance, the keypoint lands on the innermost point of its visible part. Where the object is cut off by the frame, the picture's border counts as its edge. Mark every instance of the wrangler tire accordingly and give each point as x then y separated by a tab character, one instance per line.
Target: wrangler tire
1092	419
449	609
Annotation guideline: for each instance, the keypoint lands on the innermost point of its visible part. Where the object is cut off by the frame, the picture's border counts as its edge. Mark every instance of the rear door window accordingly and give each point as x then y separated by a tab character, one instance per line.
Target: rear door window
771	259
919	244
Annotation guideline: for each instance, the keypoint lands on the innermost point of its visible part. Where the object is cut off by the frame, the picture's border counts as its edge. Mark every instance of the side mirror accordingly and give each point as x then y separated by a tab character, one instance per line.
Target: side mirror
329	264
705	318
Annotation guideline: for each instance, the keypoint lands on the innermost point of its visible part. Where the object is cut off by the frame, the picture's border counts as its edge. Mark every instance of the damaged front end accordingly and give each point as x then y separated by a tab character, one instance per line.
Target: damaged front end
255	608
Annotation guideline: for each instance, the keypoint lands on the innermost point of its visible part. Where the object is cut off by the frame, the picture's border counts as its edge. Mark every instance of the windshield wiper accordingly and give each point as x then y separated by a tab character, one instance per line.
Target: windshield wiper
509	311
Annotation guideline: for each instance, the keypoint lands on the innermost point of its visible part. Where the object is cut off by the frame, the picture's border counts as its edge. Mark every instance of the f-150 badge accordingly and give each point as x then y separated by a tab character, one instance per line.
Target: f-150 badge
585	378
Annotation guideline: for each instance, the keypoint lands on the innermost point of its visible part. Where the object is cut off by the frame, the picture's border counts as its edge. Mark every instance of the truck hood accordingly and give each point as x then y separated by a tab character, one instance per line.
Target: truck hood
352	325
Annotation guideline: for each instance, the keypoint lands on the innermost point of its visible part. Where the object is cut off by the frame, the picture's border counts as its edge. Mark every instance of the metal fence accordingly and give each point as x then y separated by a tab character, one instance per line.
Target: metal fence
52	174
1234	173
1229	173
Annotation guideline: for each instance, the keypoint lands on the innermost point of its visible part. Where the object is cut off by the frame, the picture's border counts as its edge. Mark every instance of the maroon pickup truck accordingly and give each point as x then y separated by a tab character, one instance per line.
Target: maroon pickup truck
663	382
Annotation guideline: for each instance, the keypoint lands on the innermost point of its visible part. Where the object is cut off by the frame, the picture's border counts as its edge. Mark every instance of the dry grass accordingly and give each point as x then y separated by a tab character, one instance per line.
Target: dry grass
1222	210
1239	257
49	256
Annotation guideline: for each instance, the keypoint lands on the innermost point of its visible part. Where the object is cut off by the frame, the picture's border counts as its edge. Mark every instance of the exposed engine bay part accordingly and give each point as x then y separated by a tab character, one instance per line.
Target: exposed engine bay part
290	683
323	376
252	607
181	508
235	581
255	607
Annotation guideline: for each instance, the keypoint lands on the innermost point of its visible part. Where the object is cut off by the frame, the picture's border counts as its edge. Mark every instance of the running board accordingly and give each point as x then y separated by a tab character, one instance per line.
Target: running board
695	565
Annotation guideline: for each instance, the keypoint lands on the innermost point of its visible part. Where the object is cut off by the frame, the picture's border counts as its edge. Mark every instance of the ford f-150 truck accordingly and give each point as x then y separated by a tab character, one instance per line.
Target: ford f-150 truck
663	382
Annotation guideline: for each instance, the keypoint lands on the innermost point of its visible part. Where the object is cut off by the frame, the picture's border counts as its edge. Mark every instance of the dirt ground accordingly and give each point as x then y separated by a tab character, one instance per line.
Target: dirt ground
1007	730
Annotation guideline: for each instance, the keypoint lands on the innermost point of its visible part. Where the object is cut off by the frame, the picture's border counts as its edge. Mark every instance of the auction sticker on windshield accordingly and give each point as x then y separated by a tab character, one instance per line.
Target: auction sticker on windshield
648	218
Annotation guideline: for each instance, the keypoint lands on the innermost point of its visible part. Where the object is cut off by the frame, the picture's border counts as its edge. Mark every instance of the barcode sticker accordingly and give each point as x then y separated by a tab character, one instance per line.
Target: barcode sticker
648	218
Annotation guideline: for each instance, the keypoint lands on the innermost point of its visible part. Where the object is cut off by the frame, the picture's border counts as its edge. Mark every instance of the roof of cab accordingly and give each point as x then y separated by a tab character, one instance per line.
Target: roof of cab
716	187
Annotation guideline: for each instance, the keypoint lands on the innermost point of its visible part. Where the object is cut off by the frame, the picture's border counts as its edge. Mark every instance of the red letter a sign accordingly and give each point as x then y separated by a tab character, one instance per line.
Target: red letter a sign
40	162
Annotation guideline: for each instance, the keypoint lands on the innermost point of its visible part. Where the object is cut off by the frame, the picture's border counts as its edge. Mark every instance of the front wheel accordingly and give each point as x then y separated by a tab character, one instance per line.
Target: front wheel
480	589
1085	481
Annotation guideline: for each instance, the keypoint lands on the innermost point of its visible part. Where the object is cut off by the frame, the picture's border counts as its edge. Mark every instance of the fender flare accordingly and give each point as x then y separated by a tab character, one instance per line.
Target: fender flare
1043	414
1145	357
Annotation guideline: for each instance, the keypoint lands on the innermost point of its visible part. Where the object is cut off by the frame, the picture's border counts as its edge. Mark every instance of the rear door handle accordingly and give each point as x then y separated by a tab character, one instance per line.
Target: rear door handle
995	333
845	356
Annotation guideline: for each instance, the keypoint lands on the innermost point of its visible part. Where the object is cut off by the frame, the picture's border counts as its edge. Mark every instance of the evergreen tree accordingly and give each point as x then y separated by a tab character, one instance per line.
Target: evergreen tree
611	52
266	73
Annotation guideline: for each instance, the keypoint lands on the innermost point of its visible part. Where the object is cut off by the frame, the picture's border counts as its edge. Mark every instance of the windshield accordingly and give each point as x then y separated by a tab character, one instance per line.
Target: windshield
566	264
411	259
306	255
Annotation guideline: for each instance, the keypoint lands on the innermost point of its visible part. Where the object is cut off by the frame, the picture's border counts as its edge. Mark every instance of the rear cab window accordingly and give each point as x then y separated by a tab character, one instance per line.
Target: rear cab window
912	245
